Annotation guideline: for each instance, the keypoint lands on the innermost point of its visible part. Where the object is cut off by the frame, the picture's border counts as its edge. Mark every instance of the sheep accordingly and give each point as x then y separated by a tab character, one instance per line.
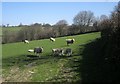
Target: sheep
68	51
70	41
57	51
30	50
25	41
36	50
52	39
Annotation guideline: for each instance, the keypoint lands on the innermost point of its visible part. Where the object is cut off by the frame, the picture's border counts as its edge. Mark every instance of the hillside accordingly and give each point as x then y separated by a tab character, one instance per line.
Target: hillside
20	65
12	28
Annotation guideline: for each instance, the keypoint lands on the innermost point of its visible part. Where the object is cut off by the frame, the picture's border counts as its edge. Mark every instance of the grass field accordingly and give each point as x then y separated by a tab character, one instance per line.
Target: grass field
12	29
20	65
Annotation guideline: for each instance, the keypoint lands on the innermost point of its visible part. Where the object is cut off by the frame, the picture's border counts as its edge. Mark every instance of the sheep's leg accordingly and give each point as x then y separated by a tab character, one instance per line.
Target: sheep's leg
62	53
70	54
35	54
67	44
53	54
39	55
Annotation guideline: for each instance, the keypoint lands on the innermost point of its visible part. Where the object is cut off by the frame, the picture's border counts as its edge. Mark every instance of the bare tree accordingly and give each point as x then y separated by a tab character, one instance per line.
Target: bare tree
20	25
84	18
103	17
96	23
115	16
7	25
8	36
61	25
5	37
62	22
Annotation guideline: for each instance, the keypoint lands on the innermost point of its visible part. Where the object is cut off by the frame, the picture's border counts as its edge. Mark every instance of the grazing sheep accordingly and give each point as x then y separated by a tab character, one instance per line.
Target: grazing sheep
25	41
70	41
38	50
30	50
68	51
52	39
57	52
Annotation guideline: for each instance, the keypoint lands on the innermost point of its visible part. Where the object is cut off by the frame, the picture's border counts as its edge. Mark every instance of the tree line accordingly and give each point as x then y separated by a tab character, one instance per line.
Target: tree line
111	34
83	22
110	45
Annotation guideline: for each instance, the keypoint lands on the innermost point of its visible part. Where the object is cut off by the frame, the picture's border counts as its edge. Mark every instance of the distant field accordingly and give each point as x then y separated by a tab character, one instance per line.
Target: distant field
20	65
12	28
9	29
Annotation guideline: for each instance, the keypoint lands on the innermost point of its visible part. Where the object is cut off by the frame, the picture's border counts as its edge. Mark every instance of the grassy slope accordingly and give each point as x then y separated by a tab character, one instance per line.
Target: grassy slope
47	68
14	29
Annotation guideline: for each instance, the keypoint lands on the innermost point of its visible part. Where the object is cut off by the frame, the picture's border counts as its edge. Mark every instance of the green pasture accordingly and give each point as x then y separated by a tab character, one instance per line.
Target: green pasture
12	29
21	65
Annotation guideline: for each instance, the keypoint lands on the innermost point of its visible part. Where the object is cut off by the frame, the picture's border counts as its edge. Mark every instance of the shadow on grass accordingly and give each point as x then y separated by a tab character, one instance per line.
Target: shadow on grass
18	60
91	66
94	67
32	60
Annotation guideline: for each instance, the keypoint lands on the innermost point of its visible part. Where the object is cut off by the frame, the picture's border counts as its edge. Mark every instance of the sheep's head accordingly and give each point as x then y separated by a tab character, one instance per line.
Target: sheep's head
73	40
30	50
53	49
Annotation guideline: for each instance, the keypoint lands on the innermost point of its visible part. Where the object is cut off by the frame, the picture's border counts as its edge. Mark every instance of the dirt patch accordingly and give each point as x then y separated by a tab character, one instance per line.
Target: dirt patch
0	79
19	75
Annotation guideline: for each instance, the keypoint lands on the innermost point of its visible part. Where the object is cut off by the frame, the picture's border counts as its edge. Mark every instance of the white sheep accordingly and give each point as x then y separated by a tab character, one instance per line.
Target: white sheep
52	39
30	50
25	41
